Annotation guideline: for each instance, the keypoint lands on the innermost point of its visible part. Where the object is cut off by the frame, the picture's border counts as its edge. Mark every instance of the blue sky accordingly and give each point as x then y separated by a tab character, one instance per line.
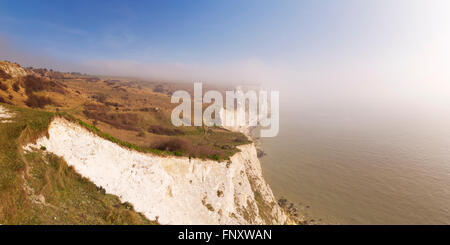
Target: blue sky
204	31
166	30
256	41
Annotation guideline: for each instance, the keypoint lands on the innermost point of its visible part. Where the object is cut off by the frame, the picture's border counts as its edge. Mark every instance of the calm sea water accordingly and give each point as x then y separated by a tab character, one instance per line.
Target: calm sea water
363	165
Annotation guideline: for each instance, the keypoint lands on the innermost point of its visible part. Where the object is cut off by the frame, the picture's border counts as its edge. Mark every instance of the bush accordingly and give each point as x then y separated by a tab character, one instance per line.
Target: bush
3	86
36	101
140	134
2	100
155	129
180	146
4	75
174	144
128	205
16	86
114	104
100	98
33	84
101	113
240	139
56	87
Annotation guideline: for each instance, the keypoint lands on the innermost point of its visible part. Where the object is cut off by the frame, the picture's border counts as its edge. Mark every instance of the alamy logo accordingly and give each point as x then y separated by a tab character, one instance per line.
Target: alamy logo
243	109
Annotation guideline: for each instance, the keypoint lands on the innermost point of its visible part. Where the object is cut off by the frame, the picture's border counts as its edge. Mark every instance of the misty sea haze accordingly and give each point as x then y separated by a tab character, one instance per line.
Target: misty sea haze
358	162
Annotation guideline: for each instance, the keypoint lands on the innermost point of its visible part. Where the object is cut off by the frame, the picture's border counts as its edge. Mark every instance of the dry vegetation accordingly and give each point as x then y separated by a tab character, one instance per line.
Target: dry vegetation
40	188
161	130
139	112
99	112
130	110
4	75
38	101
3	86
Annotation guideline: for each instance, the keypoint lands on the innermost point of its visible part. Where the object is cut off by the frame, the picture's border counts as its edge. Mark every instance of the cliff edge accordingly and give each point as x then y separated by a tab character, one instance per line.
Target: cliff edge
171	190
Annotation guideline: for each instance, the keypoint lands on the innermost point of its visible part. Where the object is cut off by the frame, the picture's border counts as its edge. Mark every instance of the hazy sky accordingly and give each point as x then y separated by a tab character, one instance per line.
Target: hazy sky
378	44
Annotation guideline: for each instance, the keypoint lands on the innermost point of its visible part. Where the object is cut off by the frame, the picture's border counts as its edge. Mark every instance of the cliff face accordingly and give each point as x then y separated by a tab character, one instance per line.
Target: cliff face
172	190
13	70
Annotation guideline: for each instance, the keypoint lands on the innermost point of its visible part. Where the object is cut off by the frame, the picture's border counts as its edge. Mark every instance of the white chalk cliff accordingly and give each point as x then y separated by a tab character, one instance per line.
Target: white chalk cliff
13	70
172	190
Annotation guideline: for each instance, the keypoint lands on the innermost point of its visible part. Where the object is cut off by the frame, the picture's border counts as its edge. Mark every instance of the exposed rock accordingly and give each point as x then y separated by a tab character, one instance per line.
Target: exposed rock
174	190
260	152
12	69
5	115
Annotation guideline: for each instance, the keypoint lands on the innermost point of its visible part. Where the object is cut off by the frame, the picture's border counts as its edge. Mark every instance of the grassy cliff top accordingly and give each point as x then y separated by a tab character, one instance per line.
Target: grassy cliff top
128	110
40	188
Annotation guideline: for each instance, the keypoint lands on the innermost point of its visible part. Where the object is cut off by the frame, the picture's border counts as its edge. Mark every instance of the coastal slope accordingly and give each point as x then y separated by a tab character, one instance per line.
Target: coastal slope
171	190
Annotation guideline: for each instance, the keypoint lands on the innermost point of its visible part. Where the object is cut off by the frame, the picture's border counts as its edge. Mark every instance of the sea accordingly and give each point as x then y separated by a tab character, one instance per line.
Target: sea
363	161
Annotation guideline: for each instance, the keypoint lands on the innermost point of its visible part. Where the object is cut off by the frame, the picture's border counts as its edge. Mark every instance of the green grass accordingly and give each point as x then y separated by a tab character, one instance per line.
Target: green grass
40	188
210	139
113	139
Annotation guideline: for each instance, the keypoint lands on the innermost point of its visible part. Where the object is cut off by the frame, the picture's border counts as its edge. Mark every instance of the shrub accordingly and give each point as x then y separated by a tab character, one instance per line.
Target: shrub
101	190
149	109
16	87
33	84
128	205
4	75
3	86
174	144
101	113
155	129
56	87
114	104
2	100
207	151
241	139
100	97
36	101
180	146
140	134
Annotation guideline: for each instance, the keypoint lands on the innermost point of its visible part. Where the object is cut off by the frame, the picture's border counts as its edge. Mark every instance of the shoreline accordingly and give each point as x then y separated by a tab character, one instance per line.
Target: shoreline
294	211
